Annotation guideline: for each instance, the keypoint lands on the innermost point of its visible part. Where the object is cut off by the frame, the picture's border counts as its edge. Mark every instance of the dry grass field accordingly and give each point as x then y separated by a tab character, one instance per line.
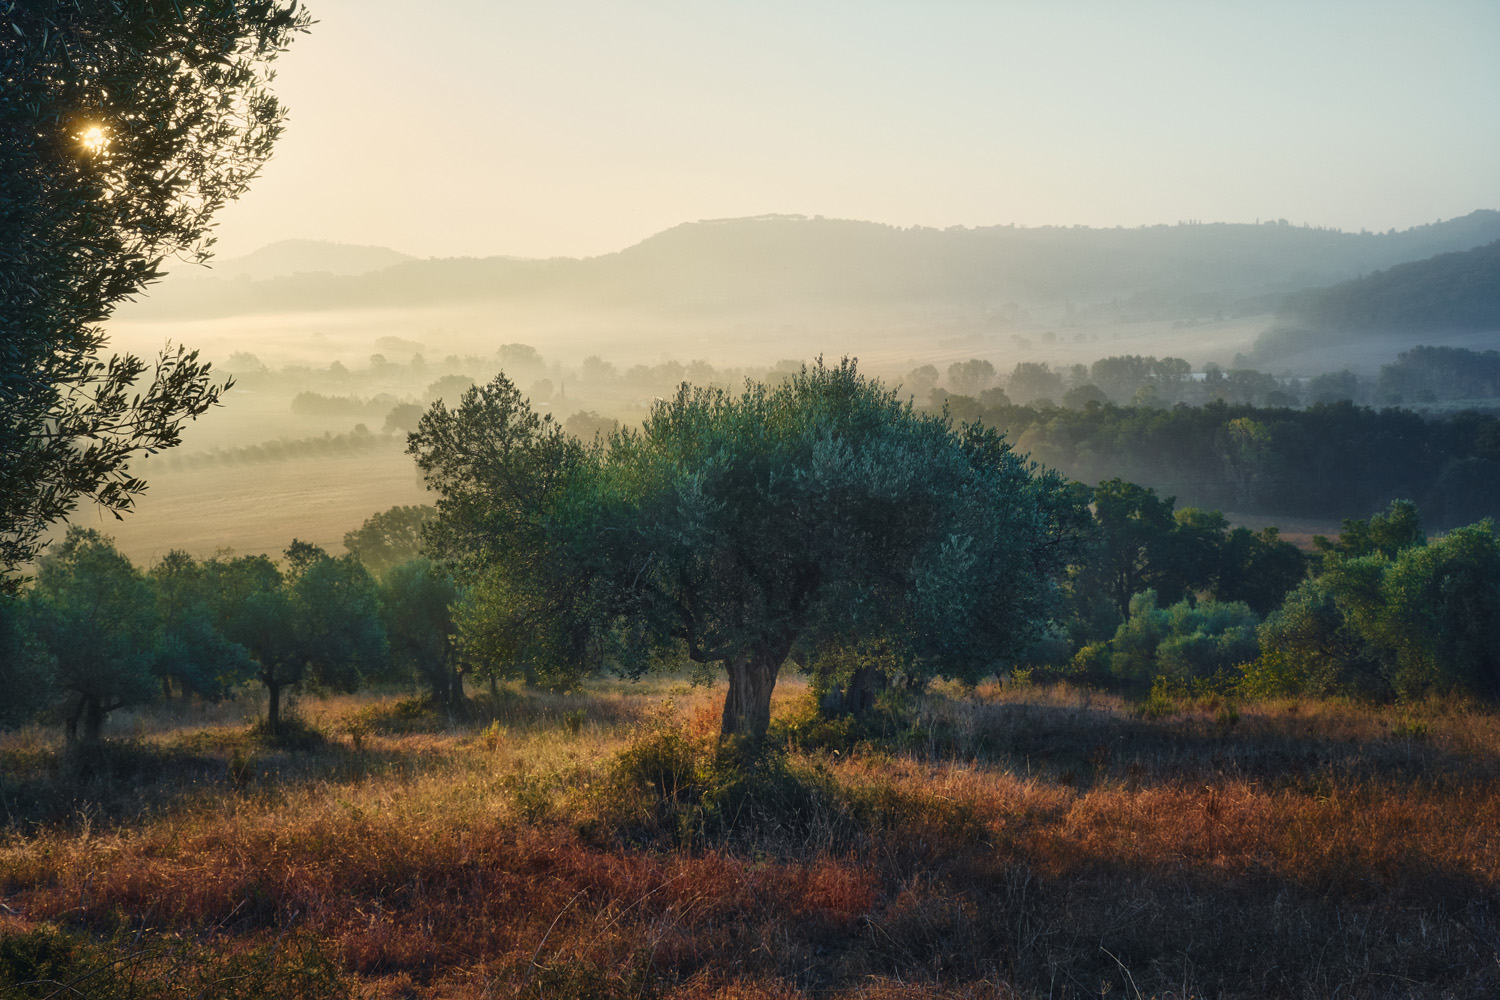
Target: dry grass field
1012	841
253	508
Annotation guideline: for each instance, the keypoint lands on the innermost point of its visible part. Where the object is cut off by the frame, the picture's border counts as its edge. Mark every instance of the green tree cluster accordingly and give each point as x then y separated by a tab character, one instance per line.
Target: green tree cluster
1430	374
743	530
1184	642
1139	542
1324	461
93	633
1393	614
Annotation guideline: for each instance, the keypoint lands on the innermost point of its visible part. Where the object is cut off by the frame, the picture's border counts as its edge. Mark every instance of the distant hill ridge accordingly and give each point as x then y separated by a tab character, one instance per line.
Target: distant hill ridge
1456	291
289	257
742	264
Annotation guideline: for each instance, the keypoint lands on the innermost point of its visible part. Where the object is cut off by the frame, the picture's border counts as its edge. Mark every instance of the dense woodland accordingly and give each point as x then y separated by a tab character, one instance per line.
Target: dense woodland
1451	291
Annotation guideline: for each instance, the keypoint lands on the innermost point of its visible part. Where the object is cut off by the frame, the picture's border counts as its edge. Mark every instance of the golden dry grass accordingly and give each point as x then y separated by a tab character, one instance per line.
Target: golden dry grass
1008	842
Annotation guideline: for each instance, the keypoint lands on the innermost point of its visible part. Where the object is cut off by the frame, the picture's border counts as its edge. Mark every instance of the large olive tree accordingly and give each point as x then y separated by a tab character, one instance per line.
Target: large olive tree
743	528
124	126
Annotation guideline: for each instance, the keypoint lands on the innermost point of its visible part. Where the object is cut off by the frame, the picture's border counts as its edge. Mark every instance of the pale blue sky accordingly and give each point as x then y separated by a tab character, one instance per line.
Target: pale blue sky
577	127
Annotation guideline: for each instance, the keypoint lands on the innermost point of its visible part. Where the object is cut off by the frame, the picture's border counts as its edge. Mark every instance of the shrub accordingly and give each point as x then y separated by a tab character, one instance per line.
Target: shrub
1184	642
1272	674
666	783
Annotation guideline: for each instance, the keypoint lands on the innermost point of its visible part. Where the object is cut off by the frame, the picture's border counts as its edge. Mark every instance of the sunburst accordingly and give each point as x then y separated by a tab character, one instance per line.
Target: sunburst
94	138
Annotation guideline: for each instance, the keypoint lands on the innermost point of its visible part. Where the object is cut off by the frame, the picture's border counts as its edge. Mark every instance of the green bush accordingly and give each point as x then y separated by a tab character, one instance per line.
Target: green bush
1184	642
1424	618
1272	674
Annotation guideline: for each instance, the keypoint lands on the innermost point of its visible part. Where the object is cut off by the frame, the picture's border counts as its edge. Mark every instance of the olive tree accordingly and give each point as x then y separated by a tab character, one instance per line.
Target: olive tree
189	647
317	621
742	529
417	599
124	126
95	613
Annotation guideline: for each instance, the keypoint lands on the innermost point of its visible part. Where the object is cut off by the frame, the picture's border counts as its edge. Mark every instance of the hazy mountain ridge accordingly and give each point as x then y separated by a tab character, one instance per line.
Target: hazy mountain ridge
736	265
1459	290
286	258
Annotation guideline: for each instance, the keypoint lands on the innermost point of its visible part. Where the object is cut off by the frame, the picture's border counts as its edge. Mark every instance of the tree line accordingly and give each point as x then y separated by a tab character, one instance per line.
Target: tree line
1324	461
821	522
93	633
1381	612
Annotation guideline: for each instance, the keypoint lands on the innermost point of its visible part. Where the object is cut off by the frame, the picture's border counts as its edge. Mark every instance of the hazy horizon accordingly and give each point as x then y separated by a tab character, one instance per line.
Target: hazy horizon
580	128
588	130
217	262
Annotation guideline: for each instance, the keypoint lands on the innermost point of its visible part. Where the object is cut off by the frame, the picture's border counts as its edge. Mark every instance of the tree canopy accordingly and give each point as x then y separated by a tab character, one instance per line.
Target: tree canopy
740	530
124	126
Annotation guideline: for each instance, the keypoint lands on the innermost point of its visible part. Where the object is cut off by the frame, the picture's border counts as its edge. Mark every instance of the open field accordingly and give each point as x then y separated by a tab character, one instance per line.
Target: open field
261	507
1015	841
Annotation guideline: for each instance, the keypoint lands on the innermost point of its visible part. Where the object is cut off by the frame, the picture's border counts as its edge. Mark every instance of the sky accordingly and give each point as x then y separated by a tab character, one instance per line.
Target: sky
580	127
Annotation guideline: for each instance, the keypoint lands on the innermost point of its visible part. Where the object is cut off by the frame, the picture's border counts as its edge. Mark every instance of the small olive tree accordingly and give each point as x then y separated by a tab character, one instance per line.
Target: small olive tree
316	621
417	599
95	613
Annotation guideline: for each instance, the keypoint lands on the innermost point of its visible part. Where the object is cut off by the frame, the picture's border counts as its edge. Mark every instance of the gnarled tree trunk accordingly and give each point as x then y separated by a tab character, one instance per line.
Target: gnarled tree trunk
747	706
857	695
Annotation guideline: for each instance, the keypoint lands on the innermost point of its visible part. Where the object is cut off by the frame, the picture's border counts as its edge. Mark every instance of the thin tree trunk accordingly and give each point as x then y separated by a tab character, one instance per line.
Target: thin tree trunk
747	706
857	695
273	717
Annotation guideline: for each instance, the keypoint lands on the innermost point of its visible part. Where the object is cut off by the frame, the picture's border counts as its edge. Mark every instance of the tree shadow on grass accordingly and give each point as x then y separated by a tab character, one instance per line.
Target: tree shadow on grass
122	782
1184	929
1084	744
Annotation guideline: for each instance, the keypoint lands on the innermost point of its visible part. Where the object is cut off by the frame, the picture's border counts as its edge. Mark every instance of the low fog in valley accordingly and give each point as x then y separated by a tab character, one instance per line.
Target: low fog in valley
336	349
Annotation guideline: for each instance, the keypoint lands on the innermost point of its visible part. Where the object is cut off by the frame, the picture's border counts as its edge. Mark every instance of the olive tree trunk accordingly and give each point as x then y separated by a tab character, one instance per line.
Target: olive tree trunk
747	706
273	707
857	694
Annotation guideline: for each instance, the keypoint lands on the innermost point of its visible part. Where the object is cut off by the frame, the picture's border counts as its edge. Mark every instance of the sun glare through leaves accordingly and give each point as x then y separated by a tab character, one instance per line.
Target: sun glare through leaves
94	139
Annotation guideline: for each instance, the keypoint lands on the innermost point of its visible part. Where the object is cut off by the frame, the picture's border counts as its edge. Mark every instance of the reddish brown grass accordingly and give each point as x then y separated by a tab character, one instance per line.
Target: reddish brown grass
1028	843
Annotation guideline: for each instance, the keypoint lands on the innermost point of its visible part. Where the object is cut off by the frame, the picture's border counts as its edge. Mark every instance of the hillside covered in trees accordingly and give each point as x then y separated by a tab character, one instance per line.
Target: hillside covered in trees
734	264
1451	291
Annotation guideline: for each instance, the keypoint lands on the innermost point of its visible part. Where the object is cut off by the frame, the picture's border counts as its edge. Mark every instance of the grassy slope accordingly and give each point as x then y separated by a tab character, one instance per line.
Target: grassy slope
1021	842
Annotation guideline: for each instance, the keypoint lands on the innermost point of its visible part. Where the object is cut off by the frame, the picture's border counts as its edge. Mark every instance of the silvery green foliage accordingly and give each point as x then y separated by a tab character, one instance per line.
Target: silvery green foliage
789	518
823	512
